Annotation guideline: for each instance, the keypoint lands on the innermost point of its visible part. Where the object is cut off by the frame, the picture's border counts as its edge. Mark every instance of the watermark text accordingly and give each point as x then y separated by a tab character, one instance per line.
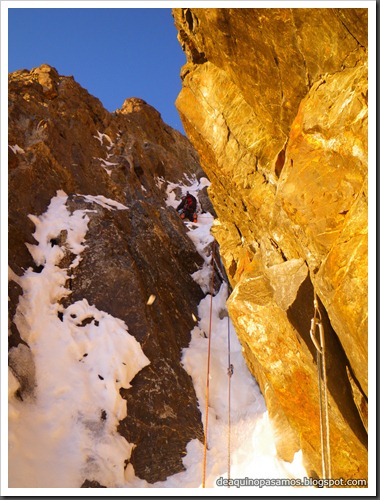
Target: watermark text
295	482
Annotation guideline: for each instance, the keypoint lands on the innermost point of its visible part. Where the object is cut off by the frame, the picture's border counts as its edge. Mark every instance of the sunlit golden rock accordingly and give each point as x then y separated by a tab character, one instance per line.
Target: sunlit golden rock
275	102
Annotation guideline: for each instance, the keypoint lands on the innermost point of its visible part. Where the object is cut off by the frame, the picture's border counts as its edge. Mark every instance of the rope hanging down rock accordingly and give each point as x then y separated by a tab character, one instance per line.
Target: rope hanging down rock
208	370
230	371
322	386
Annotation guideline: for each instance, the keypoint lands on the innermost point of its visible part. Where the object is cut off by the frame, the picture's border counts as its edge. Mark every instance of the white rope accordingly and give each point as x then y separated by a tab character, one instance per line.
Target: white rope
322	386
325	406
230	371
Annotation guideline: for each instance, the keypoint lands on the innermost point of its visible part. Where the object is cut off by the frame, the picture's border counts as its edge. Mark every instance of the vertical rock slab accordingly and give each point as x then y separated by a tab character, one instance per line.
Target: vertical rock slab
323	190
280	125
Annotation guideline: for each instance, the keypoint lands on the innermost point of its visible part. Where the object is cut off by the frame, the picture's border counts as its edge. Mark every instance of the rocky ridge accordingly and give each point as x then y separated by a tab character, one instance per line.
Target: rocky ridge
275	101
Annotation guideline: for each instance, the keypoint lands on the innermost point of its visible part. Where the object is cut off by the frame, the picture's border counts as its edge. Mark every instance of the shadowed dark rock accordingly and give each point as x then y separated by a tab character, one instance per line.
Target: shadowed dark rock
67	141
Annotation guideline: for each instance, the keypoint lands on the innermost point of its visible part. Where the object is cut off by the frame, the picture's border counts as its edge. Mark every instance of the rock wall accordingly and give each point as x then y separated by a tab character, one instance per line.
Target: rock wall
275	102
61	138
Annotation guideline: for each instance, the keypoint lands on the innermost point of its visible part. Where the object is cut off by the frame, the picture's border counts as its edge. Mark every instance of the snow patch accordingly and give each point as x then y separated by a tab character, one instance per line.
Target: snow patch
16	149
101	136
159	181
48	230
104	202
107	163
67	432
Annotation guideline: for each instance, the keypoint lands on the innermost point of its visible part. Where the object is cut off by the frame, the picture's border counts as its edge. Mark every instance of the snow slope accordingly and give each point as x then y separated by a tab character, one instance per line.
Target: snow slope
65	430
253	452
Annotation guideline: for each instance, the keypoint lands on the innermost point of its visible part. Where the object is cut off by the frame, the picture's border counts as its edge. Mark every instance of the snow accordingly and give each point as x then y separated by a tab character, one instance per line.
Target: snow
192	185
65	430
201	236
253	452
100	136
49	226
159	181
107	163
104	162
16	149
105	202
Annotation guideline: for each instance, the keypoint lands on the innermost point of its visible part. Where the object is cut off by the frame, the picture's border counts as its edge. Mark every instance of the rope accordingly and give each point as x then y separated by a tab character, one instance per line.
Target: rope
230	371
322	387
326	411
208	372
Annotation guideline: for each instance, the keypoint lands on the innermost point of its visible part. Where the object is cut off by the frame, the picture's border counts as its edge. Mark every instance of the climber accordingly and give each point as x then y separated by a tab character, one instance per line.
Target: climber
187	207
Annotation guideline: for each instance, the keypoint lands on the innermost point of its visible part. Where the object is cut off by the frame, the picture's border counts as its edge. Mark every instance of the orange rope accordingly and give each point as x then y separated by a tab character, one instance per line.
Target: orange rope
208	372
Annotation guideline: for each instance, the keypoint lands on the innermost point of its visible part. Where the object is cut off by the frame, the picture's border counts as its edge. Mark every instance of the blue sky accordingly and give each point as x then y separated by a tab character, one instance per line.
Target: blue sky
114	53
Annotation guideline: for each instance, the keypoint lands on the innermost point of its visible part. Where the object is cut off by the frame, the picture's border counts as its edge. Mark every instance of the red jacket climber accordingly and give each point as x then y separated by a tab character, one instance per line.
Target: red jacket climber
187	207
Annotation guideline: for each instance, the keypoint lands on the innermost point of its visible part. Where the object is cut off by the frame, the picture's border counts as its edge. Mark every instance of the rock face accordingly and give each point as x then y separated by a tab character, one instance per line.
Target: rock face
275	102
61	138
